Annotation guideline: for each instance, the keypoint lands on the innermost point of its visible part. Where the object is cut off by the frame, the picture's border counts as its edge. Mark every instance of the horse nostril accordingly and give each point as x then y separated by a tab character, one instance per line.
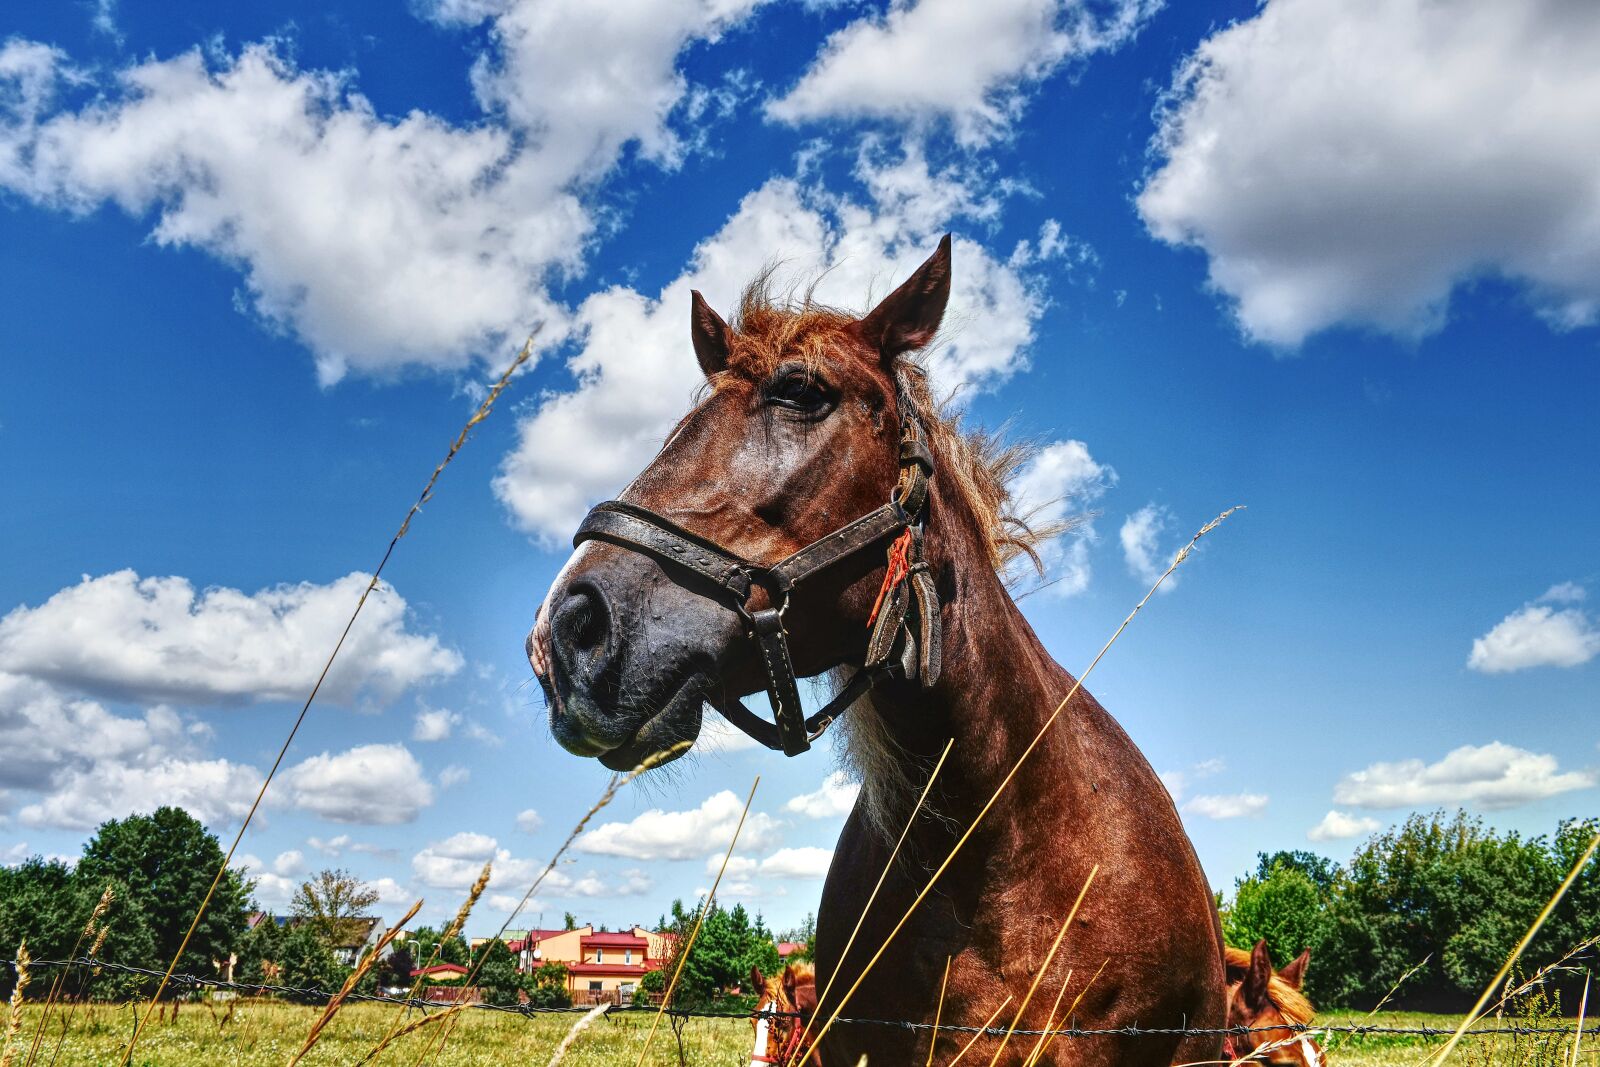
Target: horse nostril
580	630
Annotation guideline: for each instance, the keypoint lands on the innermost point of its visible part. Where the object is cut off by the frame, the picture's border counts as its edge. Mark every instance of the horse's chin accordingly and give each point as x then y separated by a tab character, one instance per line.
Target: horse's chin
666	735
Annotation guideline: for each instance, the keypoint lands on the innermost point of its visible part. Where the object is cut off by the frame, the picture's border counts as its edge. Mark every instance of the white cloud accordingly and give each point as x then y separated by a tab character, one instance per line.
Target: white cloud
1492	776
381	242
1538	635
391	894
374	784
1339	826
1178	782
1140	536
1227	806
719	737
1059	484
1354	162
805	862
13	854
155	639
636	372
968	63
454	775
215	791
434	724
44	733
528	821
331	846
456	862
272	890
834	799
680	835
290	863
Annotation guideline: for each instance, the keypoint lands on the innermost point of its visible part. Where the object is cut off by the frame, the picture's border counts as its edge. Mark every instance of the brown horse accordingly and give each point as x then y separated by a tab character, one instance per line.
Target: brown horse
779	1039
1266	1001
804	427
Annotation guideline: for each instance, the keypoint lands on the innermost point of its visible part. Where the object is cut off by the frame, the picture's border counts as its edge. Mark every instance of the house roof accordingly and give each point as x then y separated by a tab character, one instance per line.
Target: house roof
439	968
613	940
788	948
607	970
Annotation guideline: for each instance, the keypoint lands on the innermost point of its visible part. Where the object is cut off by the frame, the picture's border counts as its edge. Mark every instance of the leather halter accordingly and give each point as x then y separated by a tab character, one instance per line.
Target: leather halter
718	574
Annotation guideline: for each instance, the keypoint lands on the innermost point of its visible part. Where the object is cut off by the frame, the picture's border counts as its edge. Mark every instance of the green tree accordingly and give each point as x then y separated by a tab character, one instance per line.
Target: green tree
653	982
333	902
306	962
1284	906
569	921
547	986
259	950
1438	887
1320	869
394	970
166	860
50	904
497	975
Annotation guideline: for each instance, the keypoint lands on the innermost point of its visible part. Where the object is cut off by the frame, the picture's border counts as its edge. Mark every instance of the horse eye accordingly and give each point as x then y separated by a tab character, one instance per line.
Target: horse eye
798	390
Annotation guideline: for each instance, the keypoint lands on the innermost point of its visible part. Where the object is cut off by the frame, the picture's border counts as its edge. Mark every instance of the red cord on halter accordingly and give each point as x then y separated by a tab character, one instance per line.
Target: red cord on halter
899	568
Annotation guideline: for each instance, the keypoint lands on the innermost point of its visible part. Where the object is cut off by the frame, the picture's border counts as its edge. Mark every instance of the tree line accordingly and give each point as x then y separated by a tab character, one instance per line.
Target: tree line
1432	906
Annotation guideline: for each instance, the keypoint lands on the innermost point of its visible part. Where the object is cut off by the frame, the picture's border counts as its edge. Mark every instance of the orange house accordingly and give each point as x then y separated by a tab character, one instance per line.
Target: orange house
600	966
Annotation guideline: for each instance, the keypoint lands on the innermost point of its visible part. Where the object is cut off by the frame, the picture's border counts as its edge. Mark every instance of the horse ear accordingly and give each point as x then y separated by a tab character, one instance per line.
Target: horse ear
710	335
789	982
757	982
1259	977
1295	973
908	318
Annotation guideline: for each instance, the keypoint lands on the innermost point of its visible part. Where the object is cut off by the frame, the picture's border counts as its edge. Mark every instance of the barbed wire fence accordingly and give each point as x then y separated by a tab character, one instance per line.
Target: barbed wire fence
92	965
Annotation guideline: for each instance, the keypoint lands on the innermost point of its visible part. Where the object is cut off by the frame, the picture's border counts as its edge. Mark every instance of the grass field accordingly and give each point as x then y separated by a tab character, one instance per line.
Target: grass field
269	1032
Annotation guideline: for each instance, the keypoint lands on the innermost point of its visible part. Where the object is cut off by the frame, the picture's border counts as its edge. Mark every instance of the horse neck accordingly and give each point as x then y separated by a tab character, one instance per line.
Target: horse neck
997	689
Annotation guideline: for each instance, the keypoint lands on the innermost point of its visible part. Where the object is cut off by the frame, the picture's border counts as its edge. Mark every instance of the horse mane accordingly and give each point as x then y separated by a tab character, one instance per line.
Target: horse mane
1285	997
975	465
974	468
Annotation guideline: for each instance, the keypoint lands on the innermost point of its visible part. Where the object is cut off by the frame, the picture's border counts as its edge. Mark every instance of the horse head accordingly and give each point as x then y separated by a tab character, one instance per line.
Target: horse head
1271	1004
792	992
798	434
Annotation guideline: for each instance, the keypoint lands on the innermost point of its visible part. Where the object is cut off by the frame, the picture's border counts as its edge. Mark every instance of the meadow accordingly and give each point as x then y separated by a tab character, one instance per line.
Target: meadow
268	1032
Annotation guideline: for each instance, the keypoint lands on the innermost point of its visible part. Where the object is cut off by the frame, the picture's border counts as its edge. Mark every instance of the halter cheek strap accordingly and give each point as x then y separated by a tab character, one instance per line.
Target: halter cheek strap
905	636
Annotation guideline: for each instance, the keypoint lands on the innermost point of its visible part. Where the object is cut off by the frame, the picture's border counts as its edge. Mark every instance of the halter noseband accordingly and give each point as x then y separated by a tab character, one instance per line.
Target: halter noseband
718	574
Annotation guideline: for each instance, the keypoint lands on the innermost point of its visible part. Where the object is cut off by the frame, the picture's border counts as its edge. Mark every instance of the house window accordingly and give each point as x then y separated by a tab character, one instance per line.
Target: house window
599	955
627	955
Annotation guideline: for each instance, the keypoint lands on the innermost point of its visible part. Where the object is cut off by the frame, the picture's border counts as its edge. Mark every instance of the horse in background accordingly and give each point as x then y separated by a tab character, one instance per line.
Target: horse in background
778	1036
1265	1000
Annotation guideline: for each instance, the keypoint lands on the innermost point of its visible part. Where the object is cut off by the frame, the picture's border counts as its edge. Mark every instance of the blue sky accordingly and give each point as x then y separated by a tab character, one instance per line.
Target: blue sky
1336	262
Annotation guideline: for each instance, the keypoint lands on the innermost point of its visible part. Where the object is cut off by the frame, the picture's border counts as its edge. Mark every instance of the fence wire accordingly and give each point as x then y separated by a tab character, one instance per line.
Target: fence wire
95	966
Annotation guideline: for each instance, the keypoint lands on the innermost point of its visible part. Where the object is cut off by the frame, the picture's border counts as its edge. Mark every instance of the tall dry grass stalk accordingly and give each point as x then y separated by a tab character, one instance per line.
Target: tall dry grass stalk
1050	1038
14	1008
862	917
59	983
577	1028
1577	1035
410	1028
1177	561
705	908
615	785
416	987
457	925
1049	1023
1049	958
938	1011
1477	1009
973	1040
478	416
362	967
